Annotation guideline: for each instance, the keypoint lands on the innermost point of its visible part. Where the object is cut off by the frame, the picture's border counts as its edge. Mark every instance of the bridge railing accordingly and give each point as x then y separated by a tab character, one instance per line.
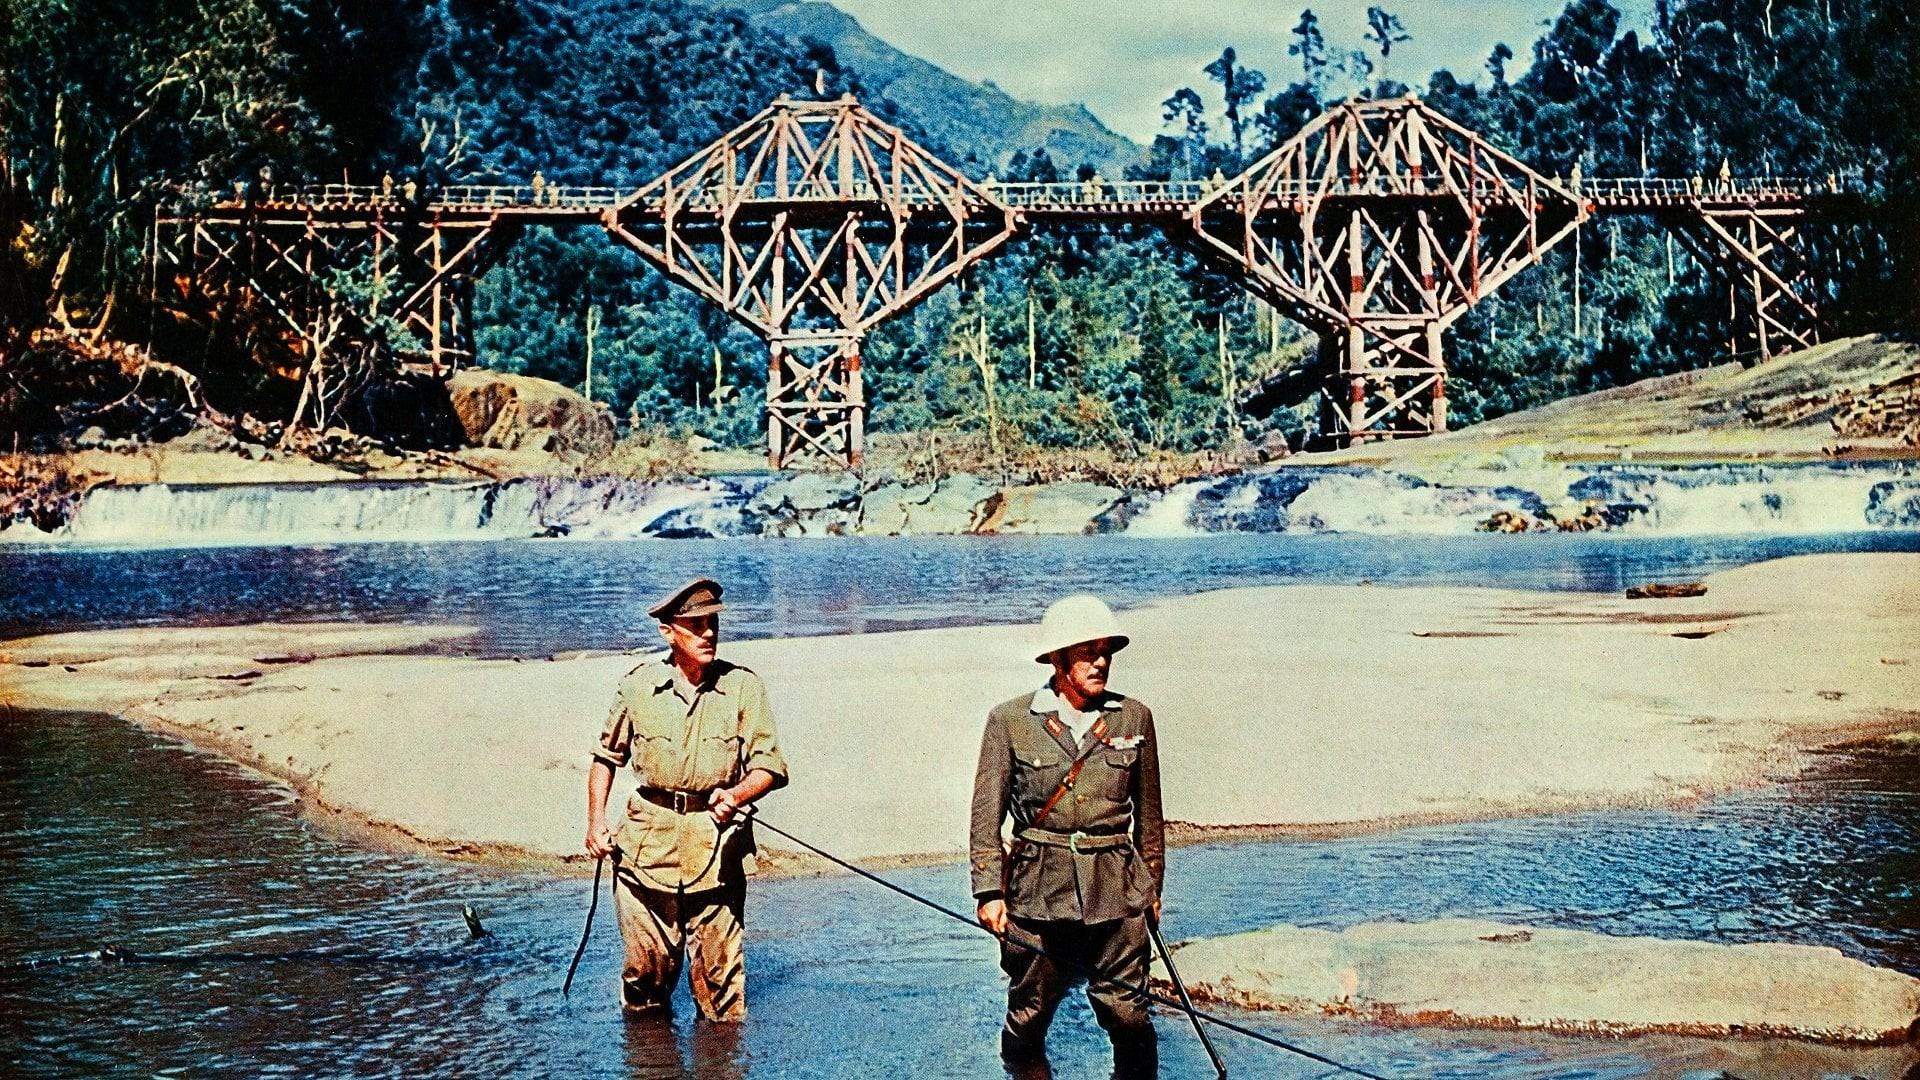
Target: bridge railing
1082	195
1102	192
1652	187
452	196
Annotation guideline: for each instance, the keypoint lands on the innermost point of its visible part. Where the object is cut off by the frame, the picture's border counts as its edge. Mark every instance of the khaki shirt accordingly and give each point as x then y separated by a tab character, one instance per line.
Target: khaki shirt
1117	793
679	736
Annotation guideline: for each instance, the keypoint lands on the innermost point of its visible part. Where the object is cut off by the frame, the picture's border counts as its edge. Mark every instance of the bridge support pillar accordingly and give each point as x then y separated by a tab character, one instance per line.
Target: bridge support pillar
815	404
1772	289
382	279
1379	225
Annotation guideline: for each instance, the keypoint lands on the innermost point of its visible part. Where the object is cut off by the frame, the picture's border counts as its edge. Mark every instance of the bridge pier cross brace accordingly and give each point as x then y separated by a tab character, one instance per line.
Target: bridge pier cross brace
1773	298
810	224
335	277
816	405
1379	225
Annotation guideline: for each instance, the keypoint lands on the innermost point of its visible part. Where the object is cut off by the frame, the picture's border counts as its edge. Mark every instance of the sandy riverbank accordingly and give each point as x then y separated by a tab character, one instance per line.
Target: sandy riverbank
1851	398
1294	708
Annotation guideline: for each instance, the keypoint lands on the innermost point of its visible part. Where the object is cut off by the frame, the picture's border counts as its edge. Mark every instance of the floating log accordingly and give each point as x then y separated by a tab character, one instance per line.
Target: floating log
1667	590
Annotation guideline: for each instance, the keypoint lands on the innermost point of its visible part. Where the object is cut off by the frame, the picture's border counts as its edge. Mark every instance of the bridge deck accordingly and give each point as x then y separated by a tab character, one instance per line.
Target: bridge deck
1093	199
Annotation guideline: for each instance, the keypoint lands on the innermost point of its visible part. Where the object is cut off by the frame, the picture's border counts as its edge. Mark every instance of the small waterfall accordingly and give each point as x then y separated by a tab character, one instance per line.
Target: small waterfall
1647	500
1171	514
1729	499
599	508
1670	501
1329	499
1385	503
161	514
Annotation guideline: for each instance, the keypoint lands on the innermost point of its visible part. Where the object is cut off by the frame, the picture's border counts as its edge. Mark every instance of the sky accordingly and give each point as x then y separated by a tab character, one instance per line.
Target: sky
1122	58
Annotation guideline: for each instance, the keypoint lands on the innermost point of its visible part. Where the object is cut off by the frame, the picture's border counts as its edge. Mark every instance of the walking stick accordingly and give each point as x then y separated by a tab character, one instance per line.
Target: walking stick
1173	975
566	987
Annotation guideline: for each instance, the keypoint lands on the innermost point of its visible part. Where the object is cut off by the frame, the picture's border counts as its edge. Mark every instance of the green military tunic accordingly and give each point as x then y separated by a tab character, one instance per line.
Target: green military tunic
1101	851
686	738
1080	884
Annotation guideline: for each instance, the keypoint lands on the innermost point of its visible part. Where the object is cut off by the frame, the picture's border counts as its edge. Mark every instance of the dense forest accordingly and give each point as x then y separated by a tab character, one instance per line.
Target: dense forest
1117	339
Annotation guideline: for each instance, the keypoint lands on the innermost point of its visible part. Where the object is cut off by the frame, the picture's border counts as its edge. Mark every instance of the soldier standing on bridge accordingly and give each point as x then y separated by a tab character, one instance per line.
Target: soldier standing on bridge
698	732
1078	769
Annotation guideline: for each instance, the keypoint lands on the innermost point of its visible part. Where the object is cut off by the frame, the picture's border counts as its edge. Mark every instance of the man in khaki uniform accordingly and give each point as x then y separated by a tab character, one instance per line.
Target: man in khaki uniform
1077	768
699	734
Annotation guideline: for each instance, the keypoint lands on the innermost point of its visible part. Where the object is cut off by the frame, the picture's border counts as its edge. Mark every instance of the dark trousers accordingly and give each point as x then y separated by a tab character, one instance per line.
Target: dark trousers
1115	951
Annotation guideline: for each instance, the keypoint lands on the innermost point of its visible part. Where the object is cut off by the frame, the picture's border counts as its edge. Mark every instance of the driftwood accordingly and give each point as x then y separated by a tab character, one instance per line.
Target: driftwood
1667	591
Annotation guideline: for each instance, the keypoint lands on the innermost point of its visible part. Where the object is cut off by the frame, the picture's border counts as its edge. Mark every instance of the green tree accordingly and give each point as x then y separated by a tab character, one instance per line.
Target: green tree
1238	86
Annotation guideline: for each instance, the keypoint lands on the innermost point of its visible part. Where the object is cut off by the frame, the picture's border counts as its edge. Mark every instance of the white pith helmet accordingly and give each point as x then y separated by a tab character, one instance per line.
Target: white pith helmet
1074	619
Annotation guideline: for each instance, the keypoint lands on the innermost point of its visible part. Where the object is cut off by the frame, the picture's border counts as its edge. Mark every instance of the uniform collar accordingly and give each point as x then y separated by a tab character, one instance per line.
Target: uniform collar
1046	701
668	677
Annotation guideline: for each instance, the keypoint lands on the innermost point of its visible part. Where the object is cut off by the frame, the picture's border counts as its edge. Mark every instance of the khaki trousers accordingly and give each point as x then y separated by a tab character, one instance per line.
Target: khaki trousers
661	928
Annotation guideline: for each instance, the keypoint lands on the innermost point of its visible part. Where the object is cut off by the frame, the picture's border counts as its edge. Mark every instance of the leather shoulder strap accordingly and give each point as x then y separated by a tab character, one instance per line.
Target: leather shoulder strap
1098	731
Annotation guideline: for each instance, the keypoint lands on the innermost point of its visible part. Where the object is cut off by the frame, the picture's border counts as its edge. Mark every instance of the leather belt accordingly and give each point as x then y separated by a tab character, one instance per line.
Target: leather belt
676	800
1077	842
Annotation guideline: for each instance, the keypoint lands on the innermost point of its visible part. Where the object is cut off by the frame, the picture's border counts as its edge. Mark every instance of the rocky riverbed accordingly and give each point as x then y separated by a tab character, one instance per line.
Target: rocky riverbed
1511	492
1475	973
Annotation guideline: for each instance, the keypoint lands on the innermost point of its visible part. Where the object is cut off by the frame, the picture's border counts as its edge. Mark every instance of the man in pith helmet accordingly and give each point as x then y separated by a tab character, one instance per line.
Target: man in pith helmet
699	735
1076	767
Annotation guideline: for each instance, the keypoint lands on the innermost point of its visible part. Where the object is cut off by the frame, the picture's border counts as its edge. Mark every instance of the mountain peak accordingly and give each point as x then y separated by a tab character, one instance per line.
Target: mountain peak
980	119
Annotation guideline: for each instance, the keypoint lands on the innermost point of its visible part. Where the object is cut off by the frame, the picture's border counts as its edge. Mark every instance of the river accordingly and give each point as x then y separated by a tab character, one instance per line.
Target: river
275	948
541	597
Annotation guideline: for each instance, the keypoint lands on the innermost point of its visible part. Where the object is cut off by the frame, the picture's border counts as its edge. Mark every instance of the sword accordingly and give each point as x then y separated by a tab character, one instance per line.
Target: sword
1173	975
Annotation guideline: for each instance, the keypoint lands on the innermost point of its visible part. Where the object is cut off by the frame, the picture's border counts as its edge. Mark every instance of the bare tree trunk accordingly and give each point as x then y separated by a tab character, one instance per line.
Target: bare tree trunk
1033	354
984	361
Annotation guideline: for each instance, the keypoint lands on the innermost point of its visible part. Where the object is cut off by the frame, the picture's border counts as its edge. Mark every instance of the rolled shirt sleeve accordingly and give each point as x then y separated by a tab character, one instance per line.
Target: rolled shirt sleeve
990	787
759	746
616	739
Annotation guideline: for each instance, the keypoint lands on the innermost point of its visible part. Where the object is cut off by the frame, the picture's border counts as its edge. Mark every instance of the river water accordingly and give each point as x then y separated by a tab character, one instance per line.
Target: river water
538	597
275	949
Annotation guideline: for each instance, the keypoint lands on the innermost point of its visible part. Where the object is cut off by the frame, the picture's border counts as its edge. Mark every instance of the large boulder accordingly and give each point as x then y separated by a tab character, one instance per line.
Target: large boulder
519	412
935	507
1057	509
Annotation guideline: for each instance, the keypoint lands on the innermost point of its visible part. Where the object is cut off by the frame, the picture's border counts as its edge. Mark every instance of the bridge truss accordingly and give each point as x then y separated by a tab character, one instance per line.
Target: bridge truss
1377	226
812	223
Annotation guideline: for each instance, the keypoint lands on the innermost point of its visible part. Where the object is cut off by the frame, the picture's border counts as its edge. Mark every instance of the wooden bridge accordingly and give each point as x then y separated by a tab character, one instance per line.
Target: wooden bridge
1378	226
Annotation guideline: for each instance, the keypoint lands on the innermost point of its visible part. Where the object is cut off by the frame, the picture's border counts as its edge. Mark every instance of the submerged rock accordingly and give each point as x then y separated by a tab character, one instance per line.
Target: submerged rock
1472	973
1506	521
1660	590
1894	504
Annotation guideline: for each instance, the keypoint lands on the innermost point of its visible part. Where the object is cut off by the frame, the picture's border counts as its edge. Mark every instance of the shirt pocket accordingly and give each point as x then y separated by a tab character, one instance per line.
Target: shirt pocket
1037	772
716	760
1116	773
656	751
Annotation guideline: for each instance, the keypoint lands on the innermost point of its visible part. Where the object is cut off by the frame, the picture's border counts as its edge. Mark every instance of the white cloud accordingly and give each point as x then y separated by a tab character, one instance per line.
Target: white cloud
1123	58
